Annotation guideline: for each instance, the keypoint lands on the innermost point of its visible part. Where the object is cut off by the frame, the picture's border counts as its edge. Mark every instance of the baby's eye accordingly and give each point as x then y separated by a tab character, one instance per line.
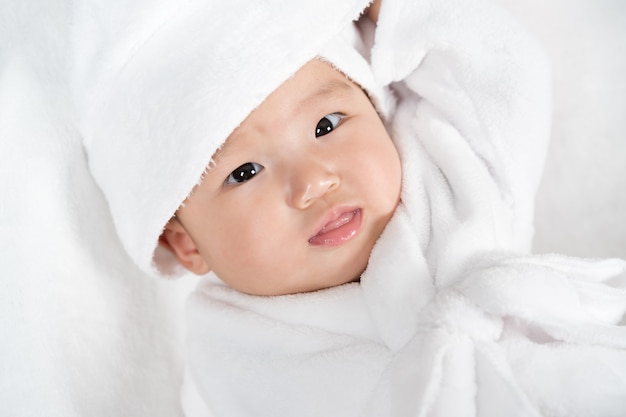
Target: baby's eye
244	173
328	123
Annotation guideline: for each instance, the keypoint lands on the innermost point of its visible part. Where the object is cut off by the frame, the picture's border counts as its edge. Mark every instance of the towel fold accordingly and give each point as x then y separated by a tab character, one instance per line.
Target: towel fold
452	315
517	335
159	86
84	333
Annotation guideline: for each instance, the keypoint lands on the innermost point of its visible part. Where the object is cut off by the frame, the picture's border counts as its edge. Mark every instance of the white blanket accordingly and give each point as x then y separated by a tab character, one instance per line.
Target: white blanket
452	317
82	332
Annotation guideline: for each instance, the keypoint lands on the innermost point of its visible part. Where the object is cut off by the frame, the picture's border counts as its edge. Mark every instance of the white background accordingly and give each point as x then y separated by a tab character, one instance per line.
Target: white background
581	205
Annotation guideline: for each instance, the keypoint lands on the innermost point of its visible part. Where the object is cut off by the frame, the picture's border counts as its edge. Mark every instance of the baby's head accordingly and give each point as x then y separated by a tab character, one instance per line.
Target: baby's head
299	193
160	92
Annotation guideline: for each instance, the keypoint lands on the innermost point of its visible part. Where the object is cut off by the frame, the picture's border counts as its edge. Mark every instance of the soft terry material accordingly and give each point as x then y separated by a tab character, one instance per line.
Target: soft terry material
82	331
159	86
85	337
451	318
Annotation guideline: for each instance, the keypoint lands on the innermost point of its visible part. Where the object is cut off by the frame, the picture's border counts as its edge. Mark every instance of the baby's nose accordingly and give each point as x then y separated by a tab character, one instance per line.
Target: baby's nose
310	182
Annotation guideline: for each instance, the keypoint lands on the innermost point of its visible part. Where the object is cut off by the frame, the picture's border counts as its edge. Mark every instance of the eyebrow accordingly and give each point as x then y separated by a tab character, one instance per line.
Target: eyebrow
328	88
332	87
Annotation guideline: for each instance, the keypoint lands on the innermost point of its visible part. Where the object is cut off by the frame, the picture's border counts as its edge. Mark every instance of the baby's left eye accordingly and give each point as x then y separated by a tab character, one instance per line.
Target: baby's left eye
328	123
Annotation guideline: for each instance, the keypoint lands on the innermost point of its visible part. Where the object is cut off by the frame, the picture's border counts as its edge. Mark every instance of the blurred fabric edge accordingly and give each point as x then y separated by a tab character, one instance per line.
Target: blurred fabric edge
82	331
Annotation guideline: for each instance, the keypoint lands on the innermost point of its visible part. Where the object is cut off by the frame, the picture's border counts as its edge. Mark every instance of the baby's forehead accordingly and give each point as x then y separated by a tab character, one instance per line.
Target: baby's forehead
316	82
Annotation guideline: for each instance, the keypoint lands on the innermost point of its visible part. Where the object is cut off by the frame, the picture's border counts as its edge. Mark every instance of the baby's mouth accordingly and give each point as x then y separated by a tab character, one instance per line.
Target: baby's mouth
338	229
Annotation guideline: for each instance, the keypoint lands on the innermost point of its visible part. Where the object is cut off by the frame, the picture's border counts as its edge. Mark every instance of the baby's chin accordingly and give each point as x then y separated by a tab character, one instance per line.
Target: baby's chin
265	292
356	279
299	284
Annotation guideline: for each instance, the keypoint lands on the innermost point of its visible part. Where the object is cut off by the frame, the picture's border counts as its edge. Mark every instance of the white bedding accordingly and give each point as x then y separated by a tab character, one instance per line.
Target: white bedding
83	333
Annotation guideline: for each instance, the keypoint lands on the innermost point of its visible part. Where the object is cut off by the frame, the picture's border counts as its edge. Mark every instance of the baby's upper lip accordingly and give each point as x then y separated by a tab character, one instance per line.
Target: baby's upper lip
333	219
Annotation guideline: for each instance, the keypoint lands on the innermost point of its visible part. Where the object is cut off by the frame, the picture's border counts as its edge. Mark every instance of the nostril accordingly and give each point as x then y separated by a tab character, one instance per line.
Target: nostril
307	189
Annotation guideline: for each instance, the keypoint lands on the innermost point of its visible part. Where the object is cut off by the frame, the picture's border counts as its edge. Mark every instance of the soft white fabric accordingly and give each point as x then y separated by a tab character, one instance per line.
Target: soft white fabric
82	331
452	317
83	334
158	86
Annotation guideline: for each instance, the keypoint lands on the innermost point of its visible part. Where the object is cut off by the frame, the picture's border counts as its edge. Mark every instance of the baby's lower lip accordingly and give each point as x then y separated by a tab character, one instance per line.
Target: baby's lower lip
341	230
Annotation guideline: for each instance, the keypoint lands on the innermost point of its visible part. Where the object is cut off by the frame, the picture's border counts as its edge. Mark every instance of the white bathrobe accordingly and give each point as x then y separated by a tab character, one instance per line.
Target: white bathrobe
453	316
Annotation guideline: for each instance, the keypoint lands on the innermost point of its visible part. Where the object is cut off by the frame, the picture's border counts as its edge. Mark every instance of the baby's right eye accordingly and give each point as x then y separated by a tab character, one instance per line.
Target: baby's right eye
244	173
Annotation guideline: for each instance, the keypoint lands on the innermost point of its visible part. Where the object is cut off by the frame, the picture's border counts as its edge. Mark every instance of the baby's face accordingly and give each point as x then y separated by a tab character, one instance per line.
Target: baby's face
299	193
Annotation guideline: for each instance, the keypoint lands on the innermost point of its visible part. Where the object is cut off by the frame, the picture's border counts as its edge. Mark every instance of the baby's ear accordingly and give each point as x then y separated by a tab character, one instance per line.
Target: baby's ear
176	239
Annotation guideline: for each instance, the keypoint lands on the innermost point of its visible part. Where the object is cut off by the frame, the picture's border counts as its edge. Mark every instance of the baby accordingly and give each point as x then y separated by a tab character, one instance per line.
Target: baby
371	260
299	193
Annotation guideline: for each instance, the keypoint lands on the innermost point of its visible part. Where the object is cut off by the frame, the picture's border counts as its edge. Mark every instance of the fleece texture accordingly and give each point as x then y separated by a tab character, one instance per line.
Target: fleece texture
160	86
85	333
453	316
